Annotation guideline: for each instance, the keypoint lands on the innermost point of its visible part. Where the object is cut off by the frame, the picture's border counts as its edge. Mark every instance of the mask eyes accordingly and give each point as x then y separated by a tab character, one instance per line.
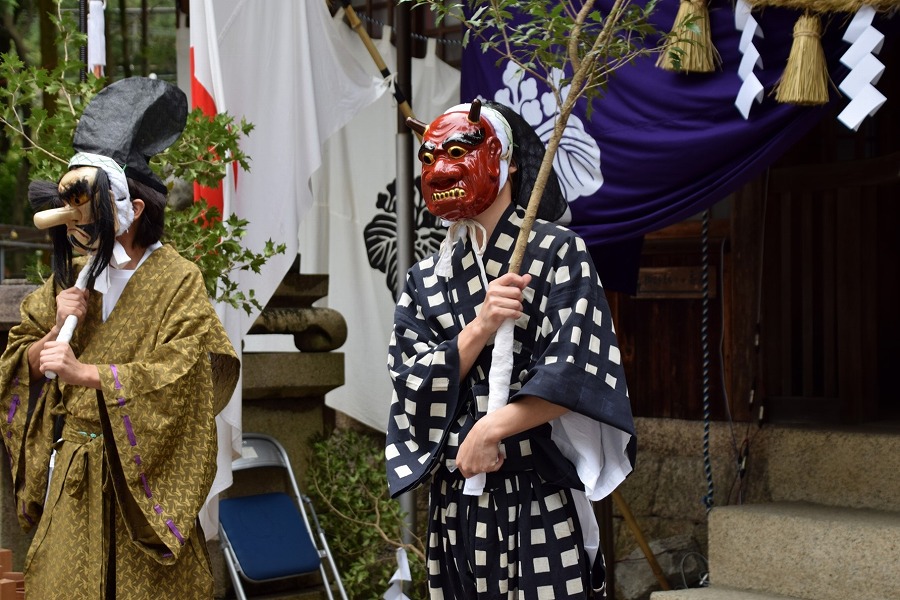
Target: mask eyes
77	193
456	151
77	200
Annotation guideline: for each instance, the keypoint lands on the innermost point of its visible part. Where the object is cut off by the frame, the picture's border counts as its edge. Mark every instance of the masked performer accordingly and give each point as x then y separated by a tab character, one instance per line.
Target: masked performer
565	436
130	414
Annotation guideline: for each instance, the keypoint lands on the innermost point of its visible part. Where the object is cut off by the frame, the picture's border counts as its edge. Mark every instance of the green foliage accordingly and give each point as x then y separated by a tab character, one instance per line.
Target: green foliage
207	147
202	154
217	251
44	136
547	39
8	170
364	526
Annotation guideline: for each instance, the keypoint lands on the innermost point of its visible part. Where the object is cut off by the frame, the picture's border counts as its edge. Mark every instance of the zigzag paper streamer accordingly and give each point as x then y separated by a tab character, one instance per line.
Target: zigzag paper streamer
865	69
395	591
751	89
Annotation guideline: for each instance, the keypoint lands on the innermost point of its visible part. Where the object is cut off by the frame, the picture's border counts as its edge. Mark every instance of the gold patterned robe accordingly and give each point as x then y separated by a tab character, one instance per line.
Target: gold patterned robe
136	458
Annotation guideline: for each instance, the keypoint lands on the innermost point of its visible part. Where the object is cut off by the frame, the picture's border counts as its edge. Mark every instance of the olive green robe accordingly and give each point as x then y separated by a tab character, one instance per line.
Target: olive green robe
136	459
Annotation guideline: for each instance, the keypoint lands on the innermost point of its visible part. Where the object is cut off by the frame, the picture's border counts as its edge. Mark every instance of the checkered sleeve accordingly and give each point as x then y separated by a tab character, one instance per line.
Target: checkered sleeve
576	359
423	362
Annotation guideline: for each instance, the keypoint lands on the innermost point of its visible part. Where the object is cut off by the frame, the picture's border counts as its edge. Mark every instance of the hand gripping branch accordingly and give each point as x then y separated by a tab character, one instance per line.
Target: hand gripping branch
68	328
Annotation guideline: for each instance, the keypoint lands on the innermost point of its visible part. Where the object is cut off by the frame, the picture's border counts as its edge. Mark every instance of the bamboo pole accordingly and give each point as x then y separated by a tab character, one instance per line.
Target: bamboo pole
357	26
642	542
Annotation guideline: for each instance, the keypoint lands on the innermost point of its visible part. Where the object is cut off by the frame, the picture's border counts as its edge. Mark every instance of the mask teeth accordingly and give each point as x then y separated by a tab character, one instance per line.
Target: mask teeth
454	193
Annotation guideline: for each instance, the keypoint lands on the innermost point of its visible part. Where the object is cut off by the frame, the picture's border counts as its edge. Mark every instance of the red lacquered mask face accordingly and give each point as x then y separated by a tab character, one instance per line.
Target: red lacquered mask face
460	166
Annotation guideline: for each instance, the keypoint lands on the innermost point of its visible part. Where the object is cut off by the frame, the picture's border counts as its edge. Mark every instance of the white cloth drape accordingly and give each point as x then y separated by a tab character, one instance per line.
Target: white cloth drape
358	164
282	67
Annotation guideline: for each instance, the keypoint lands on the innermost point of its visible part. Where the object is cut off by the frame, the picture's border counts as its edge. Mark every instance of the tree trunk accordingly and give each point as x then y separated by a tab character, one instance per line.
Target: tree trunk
145	37
123	30
49	52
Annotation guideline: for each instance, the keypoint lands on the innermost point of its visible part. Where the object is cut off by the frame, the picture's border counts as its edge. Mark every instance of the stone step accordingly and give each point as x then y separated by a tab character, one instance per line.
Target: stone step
805	551
835	466
715	593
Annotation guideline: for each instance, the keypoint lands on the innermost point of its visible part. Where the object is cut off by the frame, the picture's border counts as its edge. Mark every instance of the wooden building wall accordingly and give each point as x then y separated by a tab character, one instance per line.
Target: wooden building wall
808	306
830	334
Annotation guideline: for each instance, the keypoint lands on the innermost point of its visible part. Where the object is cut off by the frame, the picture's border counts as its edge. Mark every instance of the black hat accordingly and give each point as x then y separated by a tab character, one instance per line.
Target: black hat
130	121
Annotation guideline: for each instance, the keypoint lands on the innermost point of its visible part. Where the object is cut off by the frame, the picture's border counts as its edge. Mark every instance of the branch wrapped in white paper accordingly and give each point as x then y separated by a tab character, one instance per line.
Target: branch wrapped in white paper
395	591
96	46
68	328
498	381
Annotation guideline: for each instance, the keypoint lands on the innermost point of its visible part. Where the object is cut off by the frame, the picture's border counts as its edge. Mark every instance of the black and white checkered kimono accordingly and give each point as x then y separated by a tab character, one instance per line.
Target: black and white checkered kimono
521	539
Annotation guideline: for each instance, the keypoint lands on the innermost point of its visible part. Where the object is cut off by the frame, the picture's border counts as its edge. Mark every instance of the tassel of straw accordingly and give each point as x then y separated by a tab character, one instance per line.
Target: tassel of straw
690	49
805	78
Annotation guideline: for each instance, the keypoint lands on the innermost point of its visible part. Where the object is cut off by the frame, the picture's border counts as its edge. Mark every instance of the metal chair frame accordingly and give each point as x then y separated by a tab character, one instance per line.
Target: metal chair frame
259	451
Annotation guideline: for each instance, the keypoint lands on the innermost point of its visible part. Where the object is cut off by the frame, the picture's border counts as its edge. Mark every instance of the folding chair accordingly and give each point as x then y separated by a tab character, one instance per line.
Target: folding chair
268	536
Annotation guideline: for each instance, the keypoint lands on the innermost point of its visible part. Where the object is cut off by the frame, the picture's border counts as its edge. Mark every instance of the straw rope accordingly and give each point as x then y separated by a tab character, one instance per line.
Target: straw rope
827	6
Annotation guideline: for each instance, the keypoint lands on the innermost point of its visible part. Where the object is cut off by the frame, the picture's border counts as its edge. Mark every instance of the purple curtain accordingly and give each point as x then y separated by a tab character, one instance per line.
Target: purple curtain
671	145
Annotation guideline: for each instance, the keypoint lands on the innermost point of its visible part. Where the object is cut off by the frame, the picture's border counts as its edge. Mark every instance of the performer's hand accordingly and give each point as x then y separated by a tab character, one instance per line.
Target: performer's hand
71	302
503	300
59	358
480	450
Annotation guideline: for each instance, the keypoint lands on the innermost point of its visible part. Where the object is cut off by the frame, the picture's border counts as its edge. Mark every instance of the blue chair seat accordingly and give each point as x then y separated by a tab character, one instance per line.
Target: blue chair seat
268	536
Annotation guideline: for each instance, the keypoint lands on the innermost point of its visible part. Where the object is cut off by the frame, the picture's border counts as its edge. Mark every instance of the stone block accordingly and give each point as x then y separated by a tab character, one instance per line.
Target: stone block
314	329
12	292
806	551
291	375
678	558
640	488
835	467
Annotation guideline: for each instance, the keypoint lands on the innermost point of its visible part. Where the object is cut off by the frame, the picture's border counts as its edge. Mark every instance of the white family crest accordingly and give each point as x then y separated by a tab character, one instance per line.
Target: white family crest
577	160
